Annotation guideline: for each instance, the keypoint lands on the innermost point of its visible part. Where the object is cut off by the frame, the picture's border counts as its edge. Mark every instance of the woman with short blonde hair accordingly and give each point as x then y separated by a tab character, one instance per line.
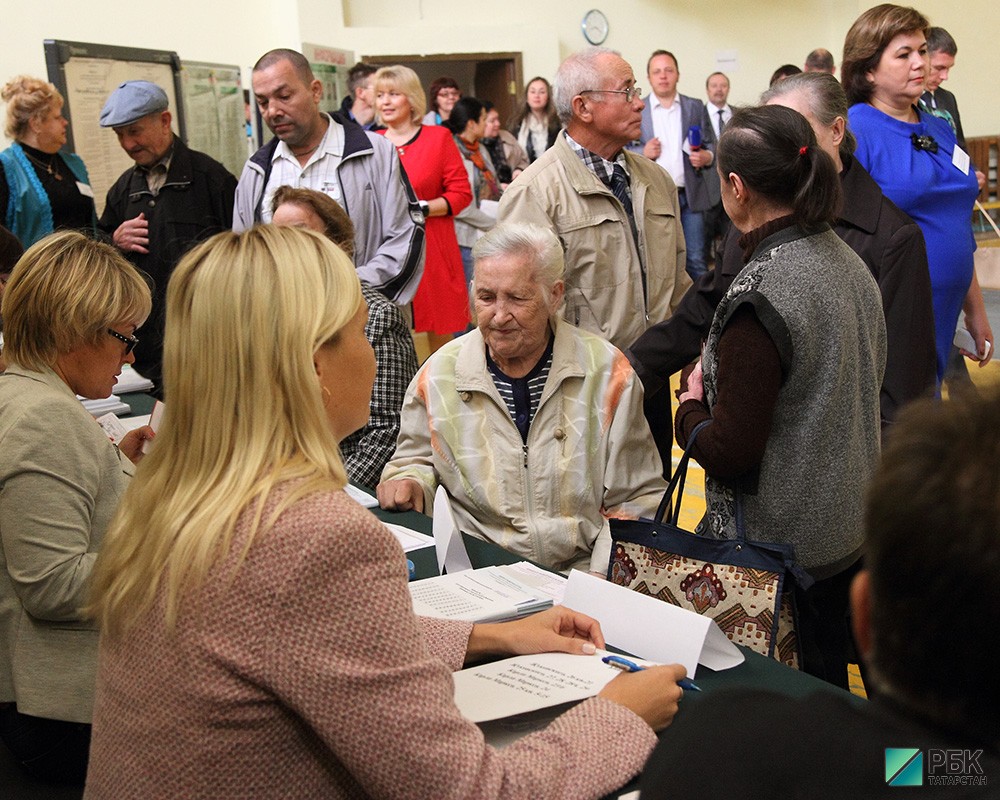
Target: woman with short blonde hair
41	188
436	172
90	283
70	309
404	81
258	635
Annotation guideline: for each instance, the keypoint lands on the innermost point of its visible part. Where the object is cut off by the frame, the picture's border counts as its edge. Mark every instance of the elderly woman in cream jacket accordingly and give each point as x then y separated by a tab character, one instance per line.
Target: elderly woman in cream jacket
534	427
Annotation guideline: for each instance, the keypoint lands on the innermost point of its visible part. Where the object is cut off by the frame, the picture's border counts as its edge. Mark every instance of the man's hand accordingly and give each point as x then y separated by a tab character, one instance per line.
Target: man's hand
652	149
132	235
701	158
401	495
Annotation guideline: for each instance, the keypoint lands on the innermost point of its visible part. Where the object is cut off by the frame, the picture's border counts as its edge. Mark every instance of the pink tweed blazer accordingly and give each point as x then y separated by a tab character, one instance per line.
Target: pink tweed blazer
308	675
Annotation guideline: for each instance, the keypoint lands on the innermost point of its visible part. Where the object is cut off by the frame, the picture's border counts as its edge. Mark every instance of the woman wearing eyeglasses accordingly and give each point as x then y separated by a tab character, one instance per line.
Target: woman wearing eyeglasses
70	311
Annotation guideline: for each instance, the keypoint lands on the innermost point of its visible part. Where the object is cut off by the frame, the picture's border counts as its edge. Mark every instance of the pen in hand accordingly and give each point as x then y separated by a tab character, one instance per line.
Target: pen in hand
630	666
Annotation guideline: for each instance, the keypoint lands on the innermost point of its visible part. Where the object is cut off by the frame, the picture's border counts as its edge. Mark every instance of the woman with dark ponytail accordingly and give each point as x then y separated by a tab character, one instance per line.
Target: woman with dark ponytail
790	373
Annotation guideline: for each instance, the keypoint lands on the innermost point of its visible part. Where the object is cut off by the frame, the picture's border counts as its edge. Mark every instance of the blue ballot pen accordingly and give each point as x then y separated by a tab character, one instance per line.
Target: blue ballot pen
630	666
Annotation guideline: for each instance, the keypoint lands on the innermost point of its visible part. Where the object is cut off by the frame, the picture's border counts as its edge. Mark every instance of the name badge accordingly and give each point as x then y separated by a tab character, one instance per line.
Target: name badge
86	191
961	159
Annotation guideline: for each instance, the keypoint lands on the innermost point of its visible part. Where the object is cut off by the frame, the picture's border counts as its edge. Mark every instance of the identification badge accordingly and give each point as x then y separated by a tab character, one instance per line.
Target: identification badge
86	191
961	159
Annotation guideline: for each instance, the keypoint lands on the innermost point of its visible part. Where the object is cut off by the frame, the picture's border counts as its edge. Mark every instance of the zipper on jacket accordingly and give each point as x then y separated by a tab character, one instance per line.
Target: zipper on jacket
524	449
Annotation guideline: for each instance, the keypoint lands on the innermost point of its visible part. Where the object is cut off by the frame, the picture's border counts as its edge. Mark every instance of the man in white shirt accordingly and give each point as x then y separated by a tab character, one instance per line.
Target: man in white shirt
333	155
671	124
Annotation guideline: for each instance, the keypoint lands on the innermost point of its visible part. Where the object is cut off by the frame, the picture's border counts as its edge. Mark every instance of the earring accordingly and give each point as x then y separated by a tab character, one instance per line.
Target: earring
327	397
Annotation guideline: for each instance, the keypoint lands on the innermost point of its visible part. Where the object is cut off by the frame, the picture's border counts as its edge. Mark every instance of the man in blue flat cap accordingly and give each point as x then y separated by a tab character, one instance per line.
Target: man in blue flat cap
172	198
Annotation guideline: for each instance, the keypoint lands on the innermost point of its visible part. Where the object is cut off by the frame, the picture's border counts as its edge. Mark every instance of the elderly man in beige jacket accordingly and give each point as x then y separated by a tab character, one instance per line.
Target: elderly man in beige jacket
616	213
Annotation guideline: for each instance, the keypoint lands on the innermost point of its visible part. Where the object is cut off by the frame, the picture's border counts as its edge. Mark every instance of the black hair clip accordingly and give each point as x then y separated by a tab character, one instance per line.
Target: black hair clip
924	143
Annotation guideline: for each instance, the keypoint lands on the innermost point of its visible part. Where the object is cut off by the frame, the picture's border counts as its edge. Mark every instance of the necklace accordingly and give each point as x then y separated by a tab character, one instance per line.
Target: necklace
47	167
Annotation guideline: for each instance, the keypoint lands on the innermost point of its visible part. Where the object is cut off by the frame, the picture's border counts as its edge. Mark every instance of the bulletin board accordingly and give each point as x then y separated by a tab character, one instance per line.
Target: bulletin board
86	74
214	112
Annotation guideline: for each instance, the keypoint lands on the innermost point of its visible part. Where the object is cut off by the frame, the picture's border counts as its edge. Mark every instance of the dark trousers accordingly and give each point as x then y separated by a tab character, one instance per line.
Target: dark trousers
823	631
48	750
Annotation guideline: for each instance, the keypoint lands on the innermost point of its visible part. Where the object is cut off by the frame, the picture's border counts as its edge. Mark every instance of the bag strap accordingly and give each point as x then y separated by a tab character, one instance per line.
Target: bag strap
677	480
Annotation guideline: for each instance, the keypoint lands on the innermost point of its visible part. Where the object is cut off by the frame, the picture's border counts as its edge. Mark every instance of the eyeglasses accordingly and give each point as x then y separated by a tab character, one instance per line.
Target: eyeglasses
635	93
130	341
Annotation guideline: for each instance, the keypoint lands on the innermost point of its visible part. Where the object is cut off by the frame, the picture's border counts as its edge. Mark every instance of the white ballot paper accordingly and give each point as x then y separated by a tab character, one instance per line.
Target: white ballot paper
527	683
409	538
651	628
489	594
451	553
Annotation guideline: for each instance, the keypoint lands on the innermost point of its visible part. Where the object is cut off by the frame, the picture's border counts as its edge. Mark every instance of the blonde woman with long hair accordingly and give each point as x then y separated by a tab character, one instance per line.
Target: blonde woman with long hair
258	638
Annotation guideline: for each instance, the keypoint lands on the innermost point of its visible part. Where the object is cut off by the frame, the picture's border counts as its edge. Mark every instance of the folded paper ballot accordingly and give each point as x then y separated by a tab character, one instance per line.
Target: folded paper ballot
649	628
490	594
451	553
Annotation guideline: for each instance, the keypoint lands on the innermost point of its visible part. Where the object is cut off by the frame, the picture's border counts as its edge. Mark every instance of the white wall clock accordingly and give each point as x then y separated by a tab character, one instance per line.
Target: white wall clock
595	26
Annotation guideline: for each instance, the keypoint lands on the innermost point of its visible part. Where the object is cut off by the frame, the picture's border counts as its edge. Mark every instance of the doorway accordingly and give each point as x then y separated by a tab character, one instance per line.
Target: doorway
496	77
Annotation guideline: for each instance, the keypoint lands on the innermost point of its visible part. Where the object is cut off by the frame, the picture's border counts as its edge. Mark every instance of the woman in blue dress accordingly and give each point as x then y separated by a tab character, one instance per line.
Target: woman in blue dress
914	158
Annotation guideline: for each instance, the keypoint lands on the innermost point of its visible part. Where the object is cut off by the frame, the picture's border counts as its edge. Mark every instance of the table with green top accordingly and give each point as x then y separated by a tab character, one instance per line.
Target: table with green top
757	671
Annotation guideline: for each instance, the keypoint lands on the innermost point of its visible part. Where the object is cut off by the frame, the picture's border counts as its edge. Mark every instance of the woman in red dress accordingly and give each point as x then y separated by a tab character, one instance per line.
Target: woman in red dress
434	167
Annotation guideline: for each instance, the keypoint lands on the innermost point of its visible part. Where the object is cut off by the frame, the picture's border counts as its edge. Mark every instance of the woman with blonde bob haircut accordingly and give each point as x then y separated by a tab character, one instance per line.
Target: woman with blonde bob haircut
434	166
258	636
403	80
70	310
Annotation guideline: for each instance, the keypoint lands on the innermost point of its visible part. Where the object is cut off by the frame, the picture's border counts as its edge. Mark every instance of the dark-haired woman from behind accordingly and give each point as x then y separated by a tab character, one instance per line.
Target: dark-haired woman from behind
791	372
468	124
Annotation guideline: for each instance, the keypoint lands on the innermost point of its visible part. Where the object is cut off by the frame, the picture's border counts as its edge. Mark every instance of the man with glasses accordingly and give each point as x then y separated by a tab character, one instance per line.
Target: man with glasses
359	104
615	213
678	135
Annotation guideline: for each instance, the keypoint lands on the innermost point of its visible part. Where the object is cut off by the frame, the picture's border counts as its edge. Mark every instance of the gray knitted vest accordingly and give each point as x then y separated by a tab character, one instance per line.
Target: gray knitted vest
822	309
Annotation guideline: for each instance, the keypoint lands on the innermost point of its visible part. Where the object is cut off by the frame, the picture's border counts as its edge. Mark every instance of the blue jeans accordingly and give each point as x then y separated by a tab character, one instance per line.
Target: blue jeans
693	223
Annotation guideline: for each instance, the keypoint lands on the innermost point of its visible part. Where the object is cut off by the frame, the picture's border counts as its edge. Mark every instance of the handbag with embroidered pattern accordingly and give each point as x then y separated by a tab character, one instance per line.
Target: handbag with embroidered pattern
746	587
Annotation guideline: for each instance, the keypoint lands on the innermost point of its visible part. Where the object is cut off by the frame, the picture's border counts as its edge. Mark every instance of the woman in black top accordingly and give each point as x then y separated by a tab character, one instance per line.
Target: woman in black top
42	189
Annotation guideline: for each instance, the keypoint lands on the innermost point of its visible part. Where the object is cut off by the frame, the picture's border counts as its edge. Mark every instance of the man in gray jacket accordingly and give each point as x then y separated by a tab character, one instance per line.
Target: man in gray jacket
333	155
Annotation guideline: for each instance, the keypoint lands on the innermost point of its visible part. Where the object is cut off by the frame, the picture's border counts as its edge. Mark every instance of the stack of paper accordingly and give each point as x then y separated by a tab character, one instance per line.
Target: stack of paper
490	594
132	381
111	404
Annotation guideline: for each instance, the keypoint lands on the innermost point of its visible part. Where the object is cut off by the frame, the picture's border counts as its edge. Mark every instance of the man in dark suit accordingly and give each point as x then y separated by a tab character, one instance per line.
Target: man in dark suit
668	139
942	49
